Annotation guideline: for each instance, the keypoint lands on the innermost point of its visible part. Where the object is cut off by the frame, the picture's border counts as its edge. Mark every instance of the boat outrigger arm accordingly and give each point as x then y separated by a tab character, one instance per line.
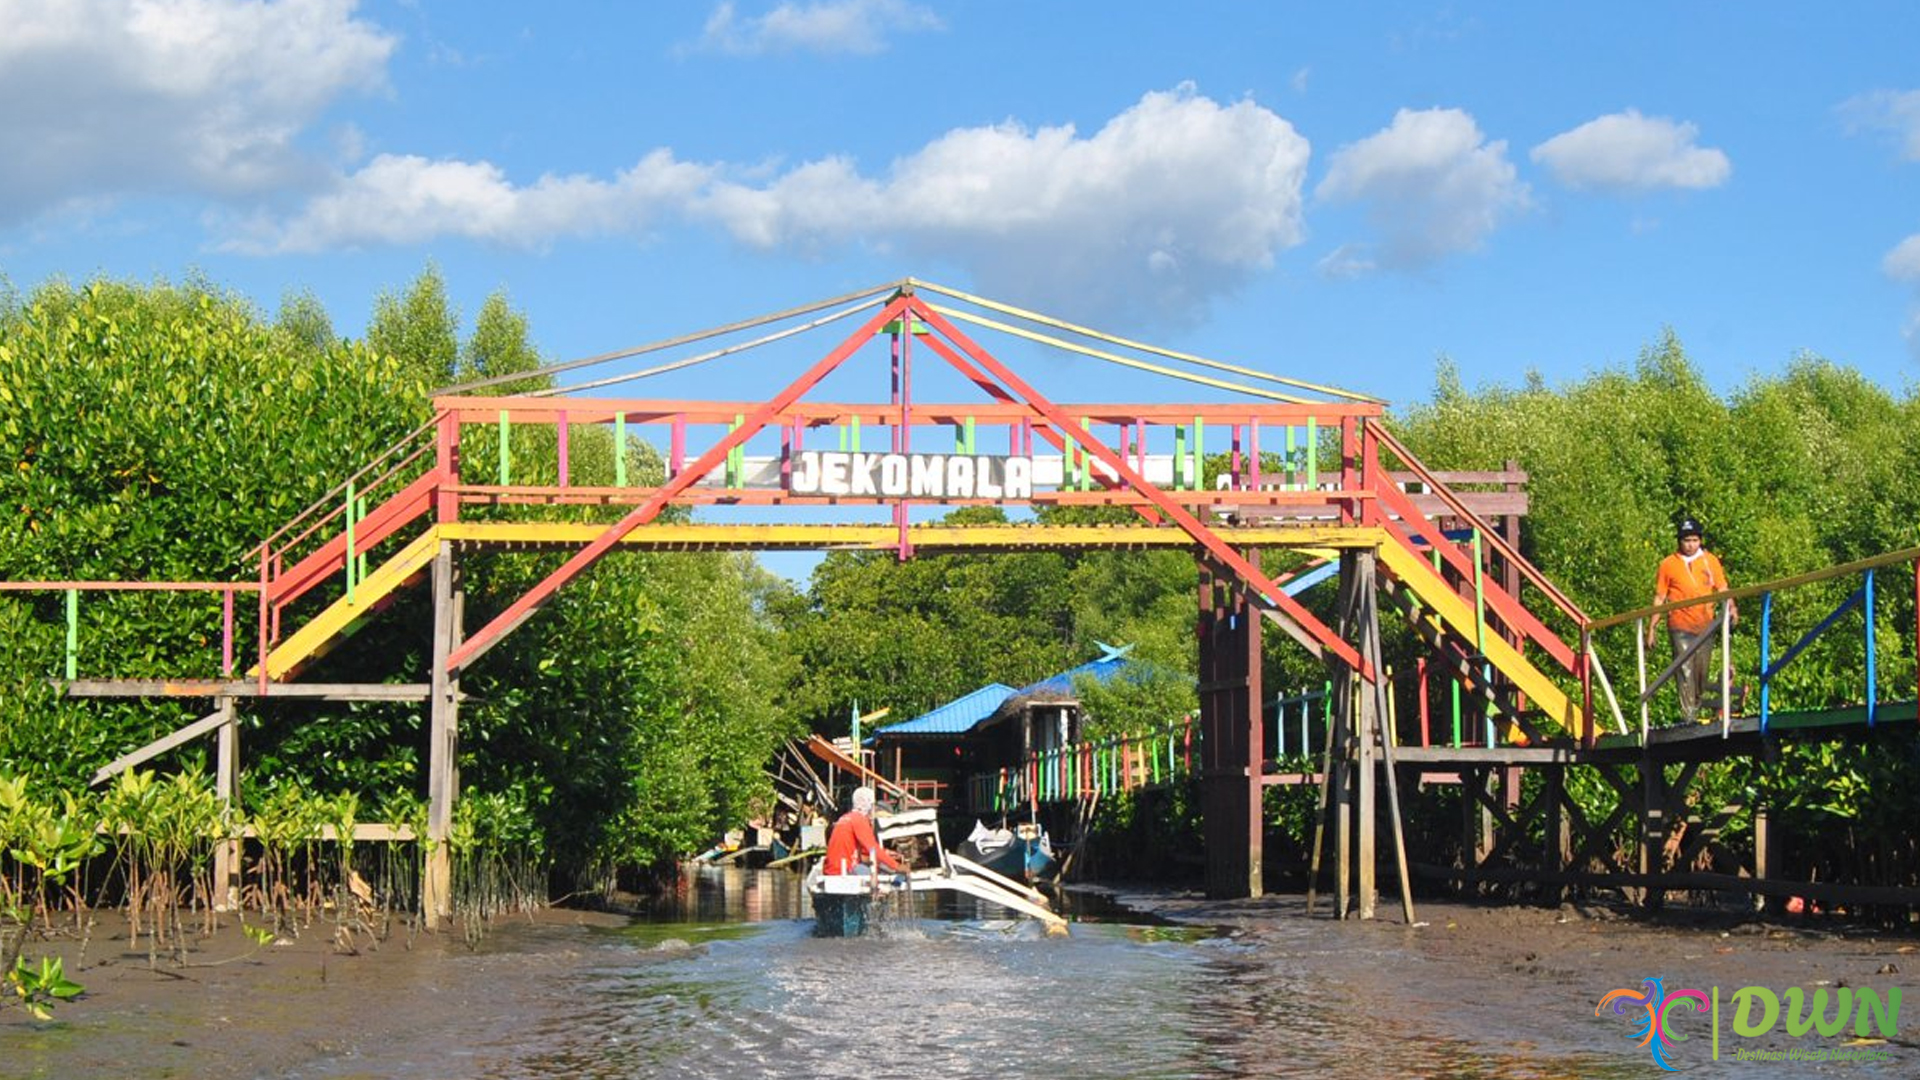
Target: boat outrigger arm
949	872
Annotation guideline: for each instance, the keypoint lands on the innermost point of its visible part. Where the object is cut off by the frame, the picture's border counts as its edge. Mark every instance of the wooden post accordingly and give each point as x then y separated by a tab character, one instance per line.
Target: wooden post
1557	845
1471	849
1489	782
1230	775
1653	829
226	783
1368	730
1253	738
443	777
1764	864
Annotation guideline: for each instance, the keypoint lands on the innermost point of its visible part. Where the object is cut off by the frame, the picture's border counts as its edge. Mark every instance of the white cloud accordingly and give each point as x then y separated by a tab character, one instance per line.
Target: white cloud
1626	152
1176	200
1431	185
1903	262
825	26
405	200
1887	110
111	97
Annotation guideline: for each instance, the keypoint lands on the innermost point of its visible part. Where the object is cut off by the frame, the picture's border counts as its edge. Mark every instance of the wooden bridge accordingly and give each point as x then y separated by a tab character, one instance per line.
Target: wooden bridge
1286	468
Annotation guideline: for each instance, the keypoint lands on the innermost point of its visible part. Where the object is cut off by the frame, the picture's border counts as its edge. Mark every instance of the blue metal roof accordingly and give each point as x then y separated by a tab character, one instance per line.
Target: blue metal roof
956	717
1061	685
1112	662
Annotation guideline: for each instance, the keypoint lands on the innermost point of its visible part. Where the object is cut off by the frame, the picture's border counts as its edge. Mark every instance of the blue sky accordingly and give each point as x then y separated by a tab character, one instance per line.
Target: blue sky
1341	193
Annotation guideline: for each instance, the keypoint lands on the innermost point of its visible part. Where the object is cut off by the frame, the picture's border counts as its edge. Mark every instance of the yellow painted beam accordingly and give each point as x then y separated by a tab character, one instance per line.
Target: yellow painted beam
327	628
752	537
1443	601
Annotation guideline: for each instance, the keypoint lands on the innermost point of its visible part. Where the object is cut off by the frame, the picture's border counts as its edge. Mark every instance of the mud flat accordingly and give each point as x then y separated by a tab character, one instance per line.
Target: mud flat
1538	973
300	1007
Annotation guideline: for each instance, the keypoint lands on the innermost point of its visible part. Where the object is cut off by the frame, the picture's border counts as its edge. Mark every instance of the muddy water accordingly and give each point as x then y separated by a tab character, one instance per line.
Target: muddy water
725	980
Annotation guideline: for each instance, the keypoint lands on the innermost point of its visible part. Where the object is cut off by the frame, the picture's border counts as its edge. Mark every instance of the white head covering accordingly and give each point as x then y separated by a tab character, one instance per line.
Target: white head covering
863	799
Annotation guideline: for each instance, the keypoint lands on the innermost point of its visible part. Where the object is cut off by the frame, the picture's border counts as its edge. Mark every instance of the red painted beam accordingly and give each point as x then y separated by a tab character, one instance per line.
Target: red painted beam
1218	548
998	393
1390	499
381	522
533	599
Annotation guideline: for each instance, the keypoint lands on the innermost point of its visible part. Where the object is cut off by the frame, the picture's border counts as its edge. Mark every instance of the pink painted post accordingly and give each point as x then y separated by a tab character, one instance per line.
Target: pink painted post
446	452
1420	666
903	437
226	632
263	620
1233	469
1253	453
560	433
677	446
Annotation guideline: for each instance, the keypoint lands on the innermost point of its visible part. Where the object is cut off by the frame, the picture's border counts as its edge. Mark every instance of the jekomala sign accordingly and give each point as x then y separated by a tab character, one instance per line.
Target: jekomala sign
911	476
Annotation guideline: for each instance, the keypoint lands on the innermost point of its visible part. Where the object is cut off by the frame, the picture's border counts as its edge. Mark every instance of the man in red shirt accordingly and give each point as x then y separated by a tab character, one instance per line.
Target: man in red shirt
1689	572
852	846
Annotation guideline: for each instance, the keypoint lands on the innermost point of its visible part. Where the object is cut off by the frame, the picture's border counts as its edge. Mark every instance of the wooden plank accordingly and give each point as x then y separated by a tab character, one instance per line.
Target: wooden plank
159	746
751	537
326	628
828	753
1823	891
212	688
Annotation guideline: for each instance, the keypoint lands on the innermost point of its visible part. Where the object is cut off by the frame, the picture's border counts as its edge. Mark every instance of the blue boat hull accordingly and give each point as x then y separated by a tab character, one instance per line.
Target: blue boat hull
840	915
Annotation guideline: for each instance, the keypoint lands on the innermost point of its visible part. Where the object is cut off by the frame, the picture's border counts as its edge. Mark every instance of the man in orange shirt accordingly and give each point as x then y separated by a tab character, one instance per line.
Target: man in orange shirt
852	846
1689	572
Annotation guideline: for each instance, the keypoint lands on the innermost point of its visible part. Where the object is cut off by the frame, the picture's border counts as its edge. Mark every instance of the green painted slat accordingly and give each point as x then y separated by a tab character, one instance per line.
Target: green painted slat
736	457
351	562
619	449
1199	449
1313	453
506	454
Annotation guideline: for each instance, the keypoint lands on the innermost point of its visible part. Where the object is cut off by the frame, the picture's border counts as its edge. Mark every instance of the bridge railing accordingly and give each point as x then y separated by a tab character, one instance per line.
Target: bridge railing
1090	767
1864	598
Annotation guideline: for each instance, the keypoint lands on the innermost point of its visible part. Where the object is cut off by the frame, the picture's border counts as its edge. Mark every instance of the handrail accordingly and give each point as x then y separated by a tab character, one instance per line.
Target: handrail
1493	537
328	500
683	339
1904	555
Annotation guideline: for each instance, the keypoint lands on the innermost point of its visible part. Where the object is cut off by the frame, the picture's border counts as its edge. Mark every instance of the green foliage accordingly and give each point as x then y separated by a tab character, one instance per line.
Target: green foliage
40	988
155	432
161	431
1791	473
418	329
911	636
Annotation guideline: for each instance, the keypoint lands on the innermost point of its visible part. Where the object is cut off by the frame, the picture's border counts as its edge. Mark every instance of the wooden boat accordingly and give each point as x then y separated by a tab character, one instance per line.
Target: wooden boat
843	903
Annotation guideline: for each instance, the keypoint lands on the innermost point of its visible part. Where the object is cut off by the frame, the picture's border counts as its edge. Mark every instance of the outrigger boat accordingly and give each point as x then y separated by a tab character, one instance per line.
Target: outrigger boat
842	902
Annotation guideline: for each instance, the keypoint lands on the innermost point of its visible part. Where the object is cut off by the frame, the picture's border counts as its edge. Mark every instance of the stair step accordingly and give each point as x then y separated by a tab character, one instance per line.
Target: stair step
343	617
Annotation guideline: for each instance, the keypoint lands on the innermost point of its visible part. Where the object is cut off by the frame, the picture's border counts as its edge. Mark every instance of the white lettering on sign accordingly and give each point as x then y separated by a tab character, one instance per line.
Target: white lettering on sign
902	476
